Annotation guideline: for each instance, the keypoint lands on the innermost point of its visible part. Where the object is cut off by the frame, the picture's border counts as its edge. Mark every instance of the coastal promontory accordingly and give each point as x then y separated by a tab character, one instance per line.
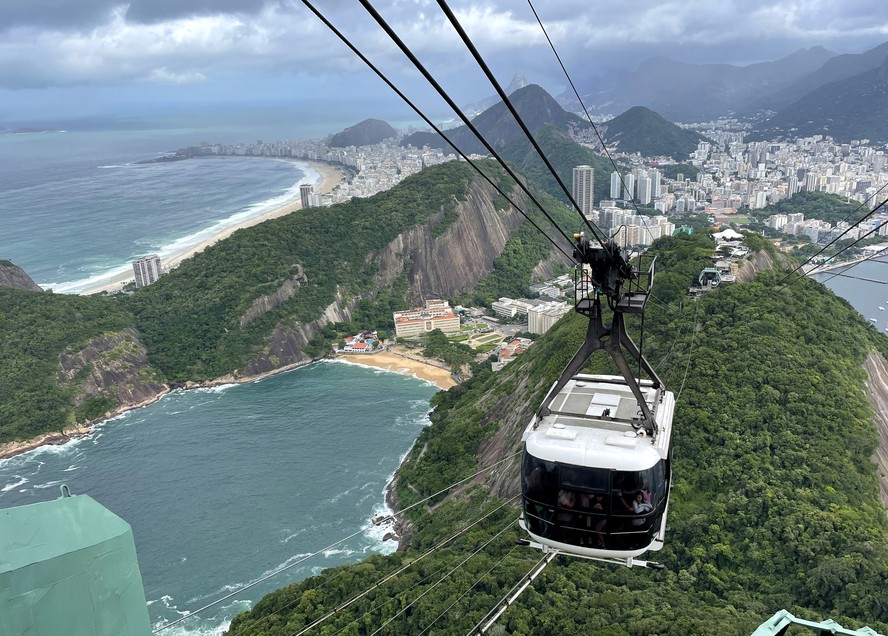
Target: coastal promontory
14	276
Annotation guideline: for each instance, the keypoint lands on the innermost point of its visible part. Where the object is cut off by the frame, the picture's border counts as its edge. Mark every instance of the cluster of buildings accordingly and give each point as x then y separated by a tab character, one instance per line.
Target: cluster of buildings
824	232
734	173
364	342
147	270
507	352
378	167
540	313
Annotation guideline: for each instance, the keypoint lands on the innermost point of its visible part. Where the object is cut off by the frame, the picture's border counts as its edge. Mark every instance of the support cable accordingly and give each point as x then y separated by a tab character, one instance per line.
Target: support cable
329	547
596	231
690	351
434	83
471	587
397	572
588	116
837	254
445	577
825	247
499	609
429	122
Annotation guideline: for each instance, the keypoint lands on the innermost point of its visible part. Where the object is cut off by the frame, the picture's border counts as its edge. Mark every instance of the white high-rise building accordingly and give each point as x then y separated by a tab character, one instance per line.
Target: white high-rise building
584	188
644	189
616	186
654	176
629	190
305	193
147	269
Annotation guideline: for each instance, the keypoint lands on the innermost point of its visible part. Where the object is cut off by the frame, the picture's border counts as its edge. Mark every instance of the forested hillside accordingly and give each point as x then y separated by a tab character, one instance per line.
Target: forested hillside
268	296
775	503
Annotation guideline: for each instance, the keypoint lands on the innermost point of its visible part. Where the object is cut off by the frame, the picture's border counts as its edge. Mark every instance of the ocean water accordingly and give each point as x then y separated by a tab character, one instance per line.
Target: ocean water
868	297
222	486
76	208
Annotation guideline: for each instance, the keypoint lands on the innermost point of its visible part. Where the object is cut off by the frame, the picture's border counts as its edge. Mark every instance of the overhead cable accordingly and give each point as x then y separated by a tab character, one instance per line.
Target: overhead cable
499	609
583	105
445	577
397	572
428	121
596	231
434	83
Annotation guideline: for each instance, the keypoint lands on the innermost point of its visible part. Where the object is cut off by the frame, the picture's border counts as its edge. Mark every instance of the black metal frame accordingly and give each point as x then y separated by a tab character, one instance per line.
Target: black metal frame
608	271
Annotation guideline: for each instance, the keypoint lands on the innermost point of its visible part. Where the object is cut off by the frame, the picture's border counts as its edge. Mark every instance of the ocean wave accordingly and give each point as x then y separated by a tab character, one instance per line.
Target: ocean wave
220	388
182	244
11	486
49	484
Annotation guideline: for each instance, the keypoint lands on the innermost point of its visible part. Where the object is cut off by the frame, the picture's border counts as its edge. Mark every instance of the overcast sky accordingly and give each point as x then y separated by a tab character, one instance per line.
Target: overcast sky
68	58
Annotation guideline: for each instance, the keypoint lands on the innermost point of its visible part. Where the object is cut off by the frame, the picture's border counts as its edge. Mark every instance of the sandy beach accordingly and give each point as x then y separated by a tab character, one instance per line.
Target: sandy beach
329	179
393	361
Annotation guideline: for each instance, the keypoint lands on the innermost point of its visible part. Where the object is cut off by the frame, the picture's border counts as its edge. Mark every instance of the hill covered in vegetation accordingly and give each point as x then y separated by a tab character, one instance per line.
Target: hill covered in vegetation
536	107
775	504
365	133
642	130
270	296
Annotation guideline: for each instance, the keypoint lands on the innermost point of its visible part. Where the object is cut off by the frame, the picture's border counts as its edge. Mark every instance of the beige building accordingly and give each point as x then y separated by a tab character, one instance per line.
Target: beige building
437	314
544	315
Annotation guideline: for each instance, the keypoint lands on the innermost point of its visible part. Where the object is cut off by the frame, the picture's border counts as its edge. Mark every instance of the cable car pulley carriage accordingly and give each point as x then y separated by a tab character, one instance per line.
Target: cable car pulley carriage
596	469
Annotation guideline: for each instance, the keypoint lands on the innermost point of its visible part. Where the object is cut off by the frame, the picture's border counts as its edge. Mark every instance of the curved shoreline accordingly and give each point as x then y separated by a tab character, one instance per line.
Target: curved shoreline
328	179
423	371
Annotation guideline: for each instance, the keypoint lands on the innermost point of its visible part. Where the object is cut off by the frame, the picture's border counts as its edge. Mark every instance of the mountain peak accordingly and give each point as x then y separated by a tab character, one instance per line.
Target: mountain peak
365	133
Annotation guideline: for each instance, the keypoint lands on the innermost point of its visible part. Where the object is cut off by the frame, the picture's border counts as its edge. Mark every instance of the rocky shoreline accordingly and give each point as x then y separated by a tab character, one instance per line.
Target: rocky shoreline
57	438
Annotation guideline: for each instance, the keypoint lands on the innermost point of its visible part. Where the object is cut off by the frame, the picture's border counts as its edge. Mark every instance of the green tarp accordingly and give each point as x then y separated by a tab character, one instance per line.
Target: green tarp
69	567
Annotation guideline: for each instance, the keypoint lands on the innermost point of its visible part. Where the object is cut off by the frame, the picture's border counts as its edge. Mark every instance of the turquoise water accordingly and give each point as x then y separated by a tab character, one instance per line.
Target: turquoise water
225	485
76	208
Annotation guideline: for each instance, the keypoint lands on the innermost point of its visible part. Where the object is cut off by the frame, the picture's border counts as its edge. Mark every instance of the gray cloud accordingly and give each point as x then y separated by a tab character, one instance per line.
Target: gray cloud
205	43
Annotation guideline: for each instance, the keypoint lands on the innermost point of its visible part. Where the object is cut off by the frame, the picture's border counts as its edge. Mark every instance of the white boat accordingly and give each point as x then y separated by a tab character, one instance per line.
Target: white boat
881	309
873	320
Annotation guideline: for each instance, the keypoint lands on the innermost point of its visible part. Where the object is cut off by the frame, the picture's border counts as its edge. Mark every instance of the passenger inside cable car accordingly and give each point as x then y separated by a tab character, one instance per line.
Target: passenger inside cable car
593	507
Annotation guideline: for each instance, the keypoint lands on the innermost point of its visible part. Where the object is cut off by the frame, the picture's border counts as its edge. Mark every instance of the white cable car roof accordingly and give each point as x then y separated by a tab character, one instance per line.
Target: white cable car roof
581	432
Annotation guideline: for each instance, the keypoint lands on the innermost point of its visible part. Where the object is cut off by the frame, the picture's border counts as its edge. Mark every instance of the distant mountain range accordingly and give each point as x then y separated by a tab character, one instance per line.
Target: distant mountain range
812	91
365	133
694	92
851	108
637	130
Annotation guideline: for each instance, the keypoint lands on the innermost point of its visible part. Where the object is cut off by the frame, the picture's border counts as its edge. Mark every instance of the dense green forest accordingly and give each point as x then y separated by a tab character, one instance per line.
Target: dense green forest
37	327
775	503
190	319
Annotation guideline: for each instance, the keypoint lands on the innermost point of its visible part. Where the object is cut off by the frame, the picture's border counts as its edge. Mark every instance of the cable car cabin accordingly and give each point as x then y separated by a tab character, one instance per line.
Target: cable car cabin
594	484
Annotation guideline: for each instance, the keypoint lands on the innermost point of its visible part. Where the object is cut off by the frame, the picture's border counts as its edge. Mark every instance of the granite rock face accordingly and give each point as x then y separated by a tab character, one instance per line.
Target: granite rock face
14	276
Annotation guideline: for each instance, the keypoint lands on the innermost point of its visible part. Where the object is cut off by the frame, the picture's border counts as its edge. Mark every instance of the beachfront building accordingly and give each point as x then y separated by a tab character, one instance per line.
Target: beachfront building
544	315
437	314
305	194
147	269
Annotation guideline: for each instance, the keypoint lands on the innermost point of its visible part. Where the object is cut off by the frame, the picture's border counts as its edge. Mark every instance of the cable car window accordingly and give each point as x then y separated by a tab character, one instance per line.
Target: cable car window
540	481
592	479
658	483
